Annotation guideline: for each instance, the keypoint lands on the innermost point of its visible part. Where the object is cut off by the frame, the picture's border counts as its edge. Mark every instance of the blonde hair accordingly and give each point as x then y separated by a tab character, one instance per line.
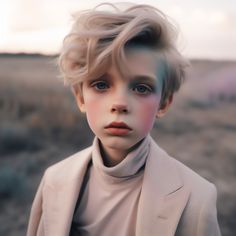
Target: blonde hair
101	37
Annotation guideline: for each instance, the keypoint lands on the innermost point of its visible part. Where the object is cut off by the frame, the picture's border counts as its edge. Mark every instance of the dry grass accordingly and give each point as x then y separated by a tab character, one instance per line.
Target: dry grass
40	124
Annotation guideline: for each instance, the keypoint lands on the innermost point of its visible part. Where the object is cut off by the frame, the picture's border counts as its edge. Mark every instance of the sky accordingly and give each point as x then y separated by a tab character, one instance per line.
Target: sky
208	27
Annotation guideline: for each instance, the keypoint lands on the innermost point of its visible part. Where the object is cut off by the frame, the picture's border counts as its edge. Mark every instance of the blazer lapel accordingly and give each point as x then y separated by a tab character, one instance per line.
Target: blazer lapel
61	196
163	196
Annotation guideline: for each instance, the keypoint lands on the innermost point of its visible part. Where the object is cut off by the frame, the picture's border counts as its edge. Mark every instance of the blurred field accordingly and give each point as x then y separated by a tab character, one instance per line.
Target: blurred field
40	125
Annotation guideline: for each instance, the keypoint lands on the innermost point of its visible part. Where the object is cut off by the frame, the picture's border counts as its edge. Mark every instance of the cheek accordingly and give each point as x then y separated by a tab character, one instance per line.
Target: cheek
147	119
93	112
147	113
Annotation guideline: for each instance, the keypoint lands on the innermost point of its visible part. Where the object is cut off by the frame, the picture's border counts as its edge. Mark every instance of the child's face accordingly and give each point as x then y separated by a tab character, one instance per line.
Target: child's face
122	111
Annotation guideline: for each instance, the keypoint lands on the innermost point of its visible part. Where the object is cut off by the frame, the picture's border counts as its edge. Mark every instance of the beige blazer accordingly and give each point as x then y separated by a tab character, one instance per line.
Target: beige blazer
174	199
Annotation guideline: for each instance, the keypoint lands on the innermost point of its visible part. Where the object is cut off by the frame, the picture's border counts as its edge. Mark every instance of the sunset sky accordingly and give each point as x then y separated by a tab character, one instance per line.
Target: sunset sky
208	26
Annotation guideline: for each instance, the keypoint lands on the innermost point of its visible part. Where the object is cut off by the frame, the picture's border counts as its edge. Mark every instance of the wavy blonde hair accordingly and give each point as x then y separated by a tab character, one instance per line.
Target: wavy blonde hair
101	37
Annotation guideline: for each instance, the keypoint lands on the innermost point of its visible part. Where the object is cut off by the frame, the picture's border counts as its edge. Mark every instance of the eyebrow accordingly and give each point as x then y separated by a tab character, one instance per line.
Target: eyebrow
141	77
150	78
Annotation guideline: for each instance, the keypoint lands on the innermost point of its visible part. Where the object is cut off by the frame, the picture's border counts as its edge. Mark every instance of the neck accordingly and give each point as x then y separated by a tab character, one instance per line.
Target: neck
112	157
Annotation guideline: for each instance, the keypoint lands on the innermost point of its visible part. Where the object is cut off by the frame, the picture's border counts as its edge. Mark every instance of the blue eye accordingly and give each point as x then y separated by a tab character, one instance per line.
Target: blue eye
142	89
100	85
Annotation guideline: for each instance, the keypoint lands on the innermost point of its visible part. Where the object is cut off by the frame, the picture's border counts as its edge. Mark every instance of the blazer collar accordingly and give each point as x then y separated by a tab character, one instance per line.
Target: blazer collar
163	195
162	200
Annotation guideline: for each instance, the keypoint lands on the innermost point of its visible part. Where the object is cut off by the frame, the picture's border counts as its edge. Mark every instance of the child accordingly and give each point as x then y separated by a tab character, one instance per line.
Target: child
123	68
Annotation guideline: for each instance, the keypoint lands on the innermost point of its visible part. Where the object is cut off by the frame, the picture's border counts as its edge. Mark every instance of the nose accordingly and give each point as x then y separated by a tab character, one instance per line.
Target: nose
120	99
119	108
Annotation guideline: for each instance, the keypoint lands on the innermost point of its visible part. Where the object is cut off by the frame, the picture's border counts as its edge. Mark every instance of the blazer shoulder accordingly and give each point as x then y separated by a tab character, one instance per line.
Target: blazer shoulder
202	192
68	168
189	178
186	176
193	180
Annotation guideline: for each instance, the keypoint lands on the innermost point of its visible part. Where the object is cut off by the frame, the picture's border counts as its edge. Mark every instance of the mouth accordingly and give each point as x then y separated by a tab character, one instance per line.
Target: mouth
118	125
118	128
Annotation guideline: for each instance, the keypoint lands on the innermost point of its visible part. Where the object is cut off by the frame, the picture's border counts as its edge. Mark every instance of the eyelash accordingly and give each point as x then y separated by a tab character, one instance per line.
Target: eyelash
147	89
95	85
105	85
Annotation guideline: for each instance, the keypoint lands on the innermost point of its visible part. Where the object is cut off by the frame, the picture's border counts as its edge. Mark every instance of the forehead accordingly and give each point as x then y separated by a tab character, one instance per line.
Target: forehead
141	59
140	62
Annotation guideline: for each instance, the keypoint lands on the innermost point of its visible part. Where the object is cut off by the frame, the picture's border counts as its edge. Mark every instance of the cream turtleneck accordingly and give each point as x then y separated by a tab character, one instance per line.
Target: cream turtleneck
109	197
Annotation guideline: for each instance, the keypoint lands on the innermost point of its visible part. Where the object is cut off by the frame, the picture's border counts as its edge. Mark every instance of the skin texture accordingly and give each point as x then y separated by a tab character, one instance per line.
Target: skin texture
134	101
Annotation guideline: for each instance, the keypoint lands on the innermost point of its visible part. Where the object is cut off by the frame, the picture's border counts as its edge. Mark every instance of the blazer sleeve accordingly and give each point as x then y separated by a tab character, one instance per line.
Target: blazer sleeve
35	225
207	221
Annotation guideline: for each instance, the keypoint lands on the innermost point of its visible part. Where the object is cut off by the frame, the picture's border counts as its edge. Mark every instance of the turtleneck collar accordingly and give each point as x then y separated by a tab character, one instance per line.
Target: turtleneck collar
129	167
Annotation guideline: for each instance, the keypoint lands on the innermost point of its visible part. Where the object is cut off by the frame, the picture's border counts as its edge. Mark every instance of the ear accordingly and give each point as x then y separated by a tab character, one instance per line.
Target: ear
162	111
77	91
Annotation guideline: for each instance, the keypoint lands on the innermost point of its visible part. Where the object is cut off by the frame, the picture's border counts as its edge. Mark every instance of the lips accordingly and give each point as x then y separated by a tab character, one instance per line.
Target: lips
118	128
118	125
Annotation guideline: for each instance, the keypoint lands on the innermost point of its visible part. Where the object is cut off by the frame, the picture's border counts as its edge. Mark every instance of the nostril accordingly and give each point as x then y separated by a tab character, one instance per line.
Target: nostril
119	108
